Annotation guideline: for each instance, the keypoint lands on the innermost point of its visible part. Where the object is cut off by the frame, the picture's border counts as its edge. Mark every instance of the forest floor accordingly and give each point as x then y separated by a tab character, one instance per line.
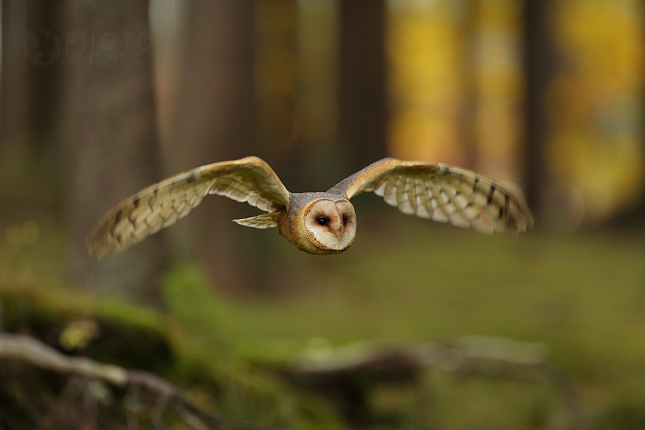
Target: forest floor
580	295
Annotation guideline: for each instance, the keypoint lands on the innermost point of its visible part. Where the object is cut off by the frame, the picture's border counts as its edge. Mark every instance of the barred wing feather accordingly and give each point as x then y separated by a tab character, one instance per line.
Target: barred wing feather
159	206
442	193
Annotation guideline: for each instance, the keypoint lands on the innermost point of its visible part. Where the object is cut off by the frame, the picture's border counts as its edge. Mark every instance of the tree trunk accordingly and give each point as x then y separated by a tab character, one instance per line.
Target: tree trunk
31	51
109	128
539	69
276	78
215	121
362	82
14	127
470	32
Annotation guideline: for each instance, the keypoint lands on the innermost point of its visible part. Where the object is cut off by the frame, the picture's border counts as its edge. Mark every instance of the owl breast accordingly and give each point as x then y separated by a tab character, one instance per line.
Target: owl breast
320	226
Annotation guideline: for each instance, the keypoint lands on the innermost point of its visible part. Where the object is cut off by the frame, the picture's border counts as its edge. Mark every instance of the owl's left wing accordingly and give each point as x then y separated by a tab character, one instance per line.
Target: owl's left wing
249	180
442	193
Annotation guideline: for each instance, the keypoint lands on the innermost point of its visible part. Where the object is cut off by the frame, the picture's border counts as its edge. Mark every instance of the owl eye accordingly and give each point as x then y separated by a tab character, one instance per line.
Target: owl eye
323	220
344	220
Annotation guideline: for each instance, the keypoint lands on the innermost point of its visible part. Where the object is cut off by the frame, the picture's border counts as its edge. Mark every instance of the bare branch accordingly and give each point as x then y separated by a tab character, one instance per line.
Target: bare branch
491	357
35	352
25	348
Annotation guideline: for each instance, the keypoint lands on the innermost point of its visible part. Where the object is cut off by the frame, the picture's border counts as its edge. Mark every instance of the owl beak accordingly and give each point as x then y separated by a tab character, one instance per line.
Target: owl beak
338	230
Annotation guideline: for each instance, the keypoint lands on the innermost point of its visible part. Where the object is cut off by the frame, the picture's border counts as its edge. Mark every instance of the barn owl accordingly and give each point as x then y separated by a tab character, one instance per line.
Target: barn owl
320	222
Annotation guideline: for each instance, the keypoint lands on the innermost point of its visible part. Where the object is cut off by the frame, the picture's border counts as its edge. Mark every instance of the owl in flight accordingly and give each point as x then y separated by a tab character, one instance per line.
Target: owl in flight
321	222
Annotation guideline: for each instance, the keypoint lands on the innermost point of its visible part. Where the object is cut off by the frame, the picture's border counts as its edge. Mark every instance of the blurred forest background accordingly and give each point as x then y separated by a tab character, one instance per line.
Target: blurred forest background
99	99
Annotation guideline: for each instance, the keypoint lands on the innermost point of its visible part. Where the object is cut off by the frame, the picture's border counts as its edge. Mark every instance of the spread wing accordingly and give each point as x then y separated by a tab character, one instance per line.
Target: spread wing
248	180
442	193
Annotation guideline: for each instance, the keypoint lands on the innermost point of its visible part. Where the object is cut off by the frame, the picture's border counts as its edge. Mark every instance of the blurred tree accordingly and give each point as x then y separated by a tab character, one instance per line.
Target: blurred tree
109	129
595	154
295	83
30	54
14	102
317	96
470	38
296	50
215	121
539	70
500	98
275	79
431	55
362	82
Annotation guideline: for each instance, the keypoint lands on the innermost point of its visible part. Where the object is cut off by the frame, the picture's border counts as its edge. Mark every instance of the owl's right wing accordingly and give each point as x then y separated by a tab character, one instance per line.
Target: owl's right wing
248	180
442	193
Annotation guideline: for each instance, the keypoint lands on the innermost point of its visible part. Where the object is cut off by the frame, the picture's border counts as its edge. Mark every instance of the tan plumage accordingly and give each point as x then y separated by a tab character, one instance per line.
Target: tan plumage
317	223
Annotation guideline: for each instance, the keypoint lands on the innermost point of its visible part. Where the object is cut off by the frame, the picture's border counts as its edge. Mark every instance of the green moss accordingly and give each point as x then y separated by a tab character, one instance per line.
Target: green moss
580	294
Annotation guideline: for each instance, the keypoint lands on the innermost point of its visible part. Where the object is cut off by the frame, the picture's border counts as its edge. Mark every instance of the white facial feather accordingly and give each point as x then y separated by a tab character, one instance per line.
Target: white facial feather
332	224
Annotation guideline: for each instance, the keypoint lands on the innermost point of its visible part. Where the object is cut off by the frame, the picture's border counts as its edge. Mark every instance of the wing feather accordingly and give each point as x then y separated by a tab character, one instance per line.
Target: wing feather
260	221
411	193
442	193
159	206
424	207
389	192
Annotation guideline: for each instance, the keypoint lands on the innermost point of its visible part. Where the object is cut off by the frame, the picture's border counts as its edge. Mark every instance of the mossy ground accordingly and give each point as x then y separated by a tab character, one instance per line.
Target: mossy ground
581	294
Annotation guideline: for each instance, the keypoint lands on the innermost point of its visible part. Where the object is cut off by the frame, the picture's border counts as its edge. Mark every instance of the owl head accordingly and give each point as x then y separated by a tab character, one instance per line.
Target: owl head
329	226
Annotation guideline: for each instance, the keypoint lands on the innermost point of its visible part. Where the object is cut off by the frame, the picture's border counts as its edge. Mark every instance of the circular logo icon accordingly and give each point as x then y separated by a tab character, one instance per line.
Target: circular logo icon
42	47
